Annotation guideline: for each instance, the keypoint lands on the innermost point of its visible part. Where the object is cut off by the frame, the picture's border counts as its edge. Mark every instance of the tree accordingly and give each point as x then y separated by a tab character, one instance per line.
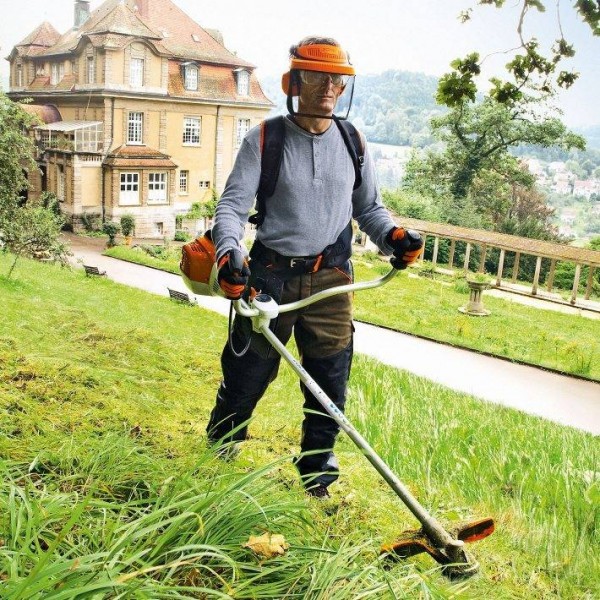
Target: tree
531	71
29	228
478	135
34	231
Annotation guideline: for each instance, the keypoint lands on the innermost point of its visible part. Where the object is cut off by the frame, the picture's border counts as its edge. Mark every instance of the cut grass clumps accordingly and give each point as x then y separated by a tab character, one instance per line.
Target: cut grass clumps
107	489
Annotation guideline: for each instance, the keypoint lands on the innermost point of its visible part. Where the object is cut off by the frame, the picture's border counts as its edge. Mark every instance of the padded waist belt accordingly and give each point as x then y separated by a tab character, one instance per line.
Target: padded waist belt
334	255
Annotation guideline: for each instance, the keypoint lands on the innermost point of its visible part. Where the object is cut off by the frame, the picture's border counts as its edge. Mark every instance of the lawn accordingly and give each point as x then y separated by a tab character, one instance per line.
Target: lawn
108	490
429	307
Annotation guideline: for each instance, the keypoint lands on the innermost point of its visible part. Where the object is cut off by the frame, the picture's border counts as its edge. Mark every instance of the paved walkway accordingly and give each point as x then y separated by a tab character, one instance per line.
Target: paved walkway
565	400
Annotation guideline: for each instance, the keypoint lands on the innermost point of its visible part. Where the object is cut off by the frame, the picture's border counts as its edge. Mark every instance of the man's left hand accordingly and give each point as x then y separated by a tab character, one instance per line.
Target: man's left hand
407	245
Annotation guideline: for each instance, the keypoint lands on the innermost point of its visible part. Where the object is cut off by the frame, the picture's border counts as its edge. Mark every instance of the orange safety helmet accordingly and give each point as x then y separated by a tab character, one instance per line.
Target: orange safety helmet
325	58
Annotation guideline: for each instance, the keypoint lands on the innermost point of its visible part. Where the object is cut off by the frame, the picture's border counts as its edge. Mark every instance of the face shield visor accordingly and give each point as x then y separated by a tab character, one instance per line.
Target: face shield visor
318	66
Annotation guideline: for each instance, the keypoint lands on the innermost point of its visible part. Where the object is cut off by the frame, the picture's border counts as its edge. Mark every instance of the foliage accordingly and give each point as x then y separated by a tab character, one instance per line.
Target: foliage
127	224
16	151
26	228
532	71
111	229
90	221
182	236
33	230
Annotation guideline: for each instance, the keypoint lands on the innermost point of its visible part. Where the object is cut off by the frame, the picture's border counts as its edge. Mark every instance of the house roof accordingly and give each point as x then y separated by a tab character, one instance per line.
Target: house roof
139	157
69	125
46	113
44	35
161	22
216	83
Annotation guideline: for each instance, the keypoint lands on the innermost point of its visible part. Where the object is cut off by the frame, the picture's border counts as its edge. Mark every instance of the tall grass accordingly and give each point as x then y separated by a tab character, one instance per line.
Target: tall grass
107	489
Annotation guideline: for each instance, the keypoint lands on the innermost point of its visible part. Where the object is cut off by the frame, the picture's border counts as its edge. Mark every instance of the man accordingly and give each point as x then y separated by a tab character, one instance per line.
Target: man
303	245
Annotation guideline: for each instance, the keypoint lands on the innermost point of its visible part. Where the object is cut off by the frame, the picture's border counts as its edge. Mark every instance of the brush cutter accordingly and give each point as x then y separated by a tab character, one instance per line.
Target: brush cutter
446	548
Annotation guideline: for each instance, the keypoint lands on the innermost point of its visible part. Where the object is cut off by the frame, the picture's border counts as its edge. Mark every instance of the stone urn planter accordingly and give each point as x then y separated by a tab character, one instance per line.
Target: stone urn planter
475	305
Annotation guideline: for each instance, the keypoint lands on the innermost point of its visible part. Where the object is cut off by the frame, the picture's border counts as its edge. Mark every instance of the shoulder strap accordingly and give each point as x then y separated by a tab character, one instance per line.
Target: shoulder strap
272	139
356	148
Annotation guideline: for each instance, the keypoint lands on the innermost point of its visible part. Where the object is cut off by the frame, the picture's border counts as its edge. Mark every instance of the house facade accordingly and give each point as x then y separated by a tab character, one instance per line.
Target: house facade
141	111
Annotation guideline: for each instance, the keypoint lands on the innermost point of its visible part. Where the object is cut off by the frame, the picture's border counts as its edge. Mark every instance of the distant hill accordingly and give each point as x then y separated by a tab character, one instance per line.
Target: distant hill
393	107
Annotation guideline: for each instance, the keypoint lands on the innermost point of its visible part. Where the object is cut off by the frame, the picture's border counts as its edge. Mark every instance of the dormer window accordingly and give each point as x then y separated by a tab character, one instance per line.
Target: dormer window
136	72
57	72
190	77
19	75
242	82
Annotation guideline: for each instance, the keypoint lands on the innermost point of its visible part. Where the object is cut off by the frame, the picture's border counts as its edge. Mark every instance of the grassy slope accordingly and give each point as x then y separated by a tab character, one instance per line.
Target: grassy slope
82	359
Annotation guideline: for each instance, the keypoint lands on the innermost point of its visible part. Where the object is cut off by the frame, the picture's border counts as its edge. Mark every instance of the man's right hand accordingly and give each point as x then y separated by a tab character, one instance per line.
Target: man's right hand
233	274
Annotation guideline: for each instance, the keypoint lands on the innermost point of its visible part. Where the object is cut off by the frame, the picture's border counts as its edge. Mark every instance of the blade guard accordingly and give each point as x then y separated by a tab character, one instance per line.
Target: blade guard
417	542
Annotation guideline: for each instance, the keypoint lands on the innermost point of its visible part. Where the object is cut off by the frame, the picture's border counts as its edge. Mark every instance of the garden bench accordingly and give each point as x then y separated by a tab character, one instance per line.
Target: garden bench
181	297
89	270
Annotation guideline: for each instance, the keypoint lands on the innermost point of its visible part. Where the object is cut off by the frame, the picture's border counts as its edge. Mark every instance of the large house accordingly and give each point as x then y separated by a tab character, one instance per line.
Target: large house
141	111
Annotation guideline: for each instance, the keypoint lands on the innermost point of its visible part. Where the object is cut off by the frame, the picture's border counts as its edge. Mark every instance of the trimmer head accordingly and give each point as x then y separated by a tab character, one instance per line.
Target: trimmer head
457	563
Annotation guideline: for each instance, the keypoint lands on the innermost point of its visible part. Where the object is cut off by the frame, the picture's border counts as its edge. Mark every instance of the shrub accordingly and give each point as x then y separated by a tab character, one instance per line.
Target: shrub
111	229
127	225
90	222
182	236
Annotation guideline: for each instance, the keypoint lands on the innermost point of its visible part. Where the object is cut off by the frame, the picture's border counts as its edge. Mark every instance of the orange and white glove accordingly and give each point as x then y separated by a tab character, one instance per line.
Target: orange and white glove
233	274
407	245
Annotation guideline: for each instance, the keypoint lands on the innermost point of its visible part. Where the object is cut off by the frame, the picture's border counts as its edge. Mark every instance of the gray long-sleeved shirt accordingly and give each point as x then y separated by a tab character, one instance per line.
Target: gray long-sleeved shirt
313	200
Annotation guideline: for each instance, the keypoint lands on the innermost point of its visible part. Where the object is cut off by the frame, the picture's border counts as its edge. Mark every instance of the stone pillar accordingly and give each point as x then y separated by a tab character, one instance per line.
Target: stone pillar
515	272
500	268
550	282
536	277
590	282
436	247
451	254
482	258
575	283
467	256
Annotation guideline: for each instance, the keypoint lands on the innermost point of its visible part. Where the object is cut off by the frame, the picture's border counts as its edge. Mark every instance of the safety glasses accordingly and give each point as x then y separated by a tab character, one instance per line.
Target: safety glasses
320	78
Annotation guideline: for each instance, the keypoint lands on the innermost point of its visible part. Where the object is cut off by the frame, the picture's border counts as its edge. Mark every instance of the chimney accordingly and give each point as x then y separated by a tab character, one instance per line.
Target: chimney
82	12
142	6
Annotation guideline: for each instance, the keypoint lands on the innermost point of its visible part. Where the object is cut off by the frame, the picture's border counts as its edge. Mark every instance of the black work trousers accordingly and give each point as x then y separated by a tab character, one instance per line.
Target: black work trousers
323	334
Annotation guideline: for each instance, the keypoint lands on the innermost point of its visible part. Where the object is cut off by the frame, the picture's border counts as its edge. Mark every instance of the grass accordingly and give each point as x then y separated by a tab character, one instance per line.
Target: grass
108	490
428	307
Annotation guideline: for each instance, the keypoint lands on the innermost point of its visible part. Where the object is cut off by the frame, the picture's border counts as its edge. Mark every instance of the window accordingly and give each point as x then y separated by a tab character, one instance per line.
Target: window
130	189
91	69
191	77
184	177
136	72
204	185
57	72
243	83
135	126
157	188
243	126
19	76
191	130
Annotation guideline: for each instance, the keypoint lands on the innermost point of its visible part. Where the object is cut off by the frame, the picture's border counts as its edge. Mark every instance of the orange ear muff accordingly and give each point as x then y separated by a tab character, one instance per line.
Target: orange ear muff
285	85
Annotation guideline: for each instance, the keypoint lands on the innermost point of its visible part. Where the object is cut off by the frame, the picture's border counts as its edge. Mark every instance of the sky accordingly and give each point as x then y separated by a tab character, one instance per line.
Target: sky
411	35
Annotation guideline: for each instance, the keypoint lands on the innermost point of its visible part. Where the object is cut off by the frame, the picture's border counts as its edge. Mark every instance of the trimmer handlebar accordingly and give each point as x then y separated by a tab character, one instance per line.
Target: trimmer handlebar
245	310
